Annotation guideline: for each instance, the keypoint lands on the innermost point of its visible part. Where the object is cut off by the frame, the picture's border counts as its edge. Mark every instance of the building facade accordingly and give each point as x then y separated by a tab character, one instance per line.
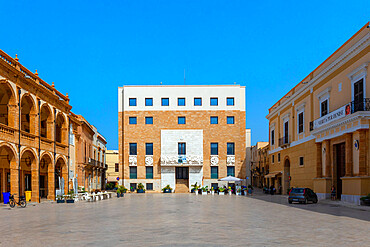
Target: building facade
319	131
260	164
113	166
37	150
181	135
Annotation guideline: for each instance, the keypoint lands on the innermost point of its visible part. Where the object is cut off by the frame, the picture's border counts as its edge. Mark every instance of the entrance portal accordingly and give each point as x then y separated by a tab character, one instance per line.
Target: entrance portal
286	177
340	167
182	180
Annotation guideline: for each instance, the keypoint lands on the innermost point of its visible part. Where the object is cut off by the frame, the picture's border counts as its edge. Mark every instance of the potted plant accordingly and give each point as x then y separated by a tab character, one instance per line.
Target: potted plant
70	198
221	191
140	188
204	190
230	190
365	200
132	189
120	190
60	199
239	192
167	189
195	188
212	191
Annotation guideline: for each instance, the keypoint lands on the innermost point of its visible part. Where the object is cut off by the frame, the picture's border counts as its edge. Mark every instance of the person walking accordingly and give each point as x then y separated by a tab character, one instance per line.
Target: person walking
333	193
272	189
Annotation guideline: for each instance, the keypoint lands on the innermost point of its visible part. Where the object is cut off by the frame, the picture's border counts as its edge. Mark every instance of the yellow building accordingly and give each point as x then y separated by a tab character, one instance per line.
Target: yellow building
112	157
259	163
319	131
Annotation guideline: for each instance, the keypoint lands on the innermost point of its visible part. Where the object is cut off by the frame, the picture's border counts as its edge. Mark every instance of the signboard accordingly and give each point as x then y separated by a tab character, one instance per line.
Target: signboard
117	178
332	116
182	159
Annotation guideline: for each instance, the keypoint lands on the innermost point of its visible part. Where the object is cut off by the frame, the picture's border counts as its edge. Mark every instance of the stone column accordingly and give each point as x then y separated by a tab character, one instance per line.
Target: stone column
319	160
362	152
35	181
328	165
349	155
51	181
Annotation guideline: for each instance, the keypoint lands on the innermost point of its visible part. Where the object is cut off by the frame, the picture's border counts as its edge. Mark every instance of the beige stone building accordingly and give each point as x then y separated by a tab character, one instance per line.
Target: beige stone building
113	166
319	131
260	164
180	135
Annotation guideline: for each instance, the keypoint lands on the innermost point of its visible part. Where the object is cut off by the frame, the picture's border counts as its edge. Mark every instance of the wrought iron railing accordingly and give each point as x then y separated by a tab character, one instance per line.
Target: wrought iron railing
283	141
360	105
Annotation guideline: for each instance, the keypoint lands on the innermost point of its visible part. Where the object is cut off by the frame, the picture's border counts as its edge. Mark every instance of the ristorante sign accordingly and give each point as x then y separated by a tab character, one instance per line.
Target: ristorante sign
332	116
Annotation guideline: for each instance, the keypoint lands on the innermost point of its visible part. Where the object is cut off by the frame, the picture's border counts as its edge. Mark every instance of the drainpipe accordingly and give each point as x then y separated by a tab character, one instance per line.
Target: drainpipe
19	141
39	150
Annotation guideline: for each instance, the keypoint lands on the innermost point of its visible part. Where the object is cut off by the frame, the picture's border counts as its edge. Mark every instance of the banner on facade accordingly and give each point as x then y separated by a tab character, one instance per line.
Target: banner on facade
332	116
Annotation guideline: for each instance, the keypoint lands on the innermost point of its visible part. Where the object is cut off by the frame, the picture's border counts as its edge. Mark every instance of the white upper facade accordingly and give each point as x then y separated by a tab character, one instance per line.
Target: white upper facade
140	93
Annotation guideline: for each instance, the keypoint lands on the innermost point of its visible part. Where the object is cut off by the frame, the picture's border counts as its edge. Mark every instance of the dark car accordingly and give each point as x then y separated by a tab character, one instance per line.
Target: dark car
302	195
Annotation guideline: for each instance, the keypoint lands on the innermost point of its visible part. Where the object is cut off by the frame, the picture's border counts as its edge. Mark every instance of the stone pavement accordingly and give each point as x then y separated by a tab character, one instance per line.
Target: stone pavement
183	220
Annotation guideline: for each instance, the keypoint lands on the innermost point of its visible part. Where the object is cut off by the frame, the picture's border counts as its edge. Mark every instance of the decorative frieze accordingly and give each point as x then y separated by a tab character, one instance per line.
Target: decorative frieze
214	160
149	160
230	160
178	160
132	160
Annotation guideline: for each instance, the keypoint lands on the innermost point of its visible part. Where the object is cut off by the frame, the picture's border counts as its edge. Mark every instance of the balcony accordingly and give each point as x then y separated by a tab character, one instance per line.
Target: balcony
347	109
284	141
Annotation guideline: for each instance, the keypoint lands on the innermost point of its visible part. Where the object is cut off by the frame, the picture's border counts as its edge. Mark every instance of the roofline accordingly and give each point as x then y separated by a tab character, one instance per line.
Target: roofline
335	52
234	85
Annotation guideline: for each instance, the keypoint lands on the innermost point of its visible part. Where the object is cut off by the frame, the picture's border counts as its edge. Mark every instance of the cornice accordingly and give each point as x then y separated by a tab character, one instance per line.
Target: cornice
345	57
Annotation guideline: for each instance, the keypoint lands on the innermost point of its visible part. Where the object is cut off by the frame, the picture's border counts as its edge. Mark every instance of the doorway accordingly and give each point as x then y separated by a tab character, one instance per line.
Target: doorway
340	166
182	180
286	186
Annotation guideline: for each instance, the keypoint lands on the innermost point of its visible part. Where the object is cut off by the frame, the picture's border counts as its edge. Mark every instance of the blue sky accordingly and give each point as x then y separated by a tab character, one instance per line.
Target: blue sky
89	48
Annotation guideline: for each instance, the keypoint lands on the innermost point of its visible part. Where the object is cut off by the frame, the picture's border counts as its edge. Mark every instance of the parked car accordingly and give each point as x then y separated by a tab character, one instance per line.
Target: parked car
302	195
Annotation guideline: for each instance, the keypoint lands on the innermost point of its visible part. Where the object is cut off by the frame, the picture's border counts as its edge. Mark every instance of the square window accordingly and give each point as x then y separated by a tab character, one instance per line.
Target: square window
301	161
132	120
214	148
133	172
116	167
181	120
149	186
231	171
165	101
230	120
149	148
214	101
149	172
214	172
132	101
148	101
181	148
214	120
197	101
230	101
230	148
133	149
181	101
148	120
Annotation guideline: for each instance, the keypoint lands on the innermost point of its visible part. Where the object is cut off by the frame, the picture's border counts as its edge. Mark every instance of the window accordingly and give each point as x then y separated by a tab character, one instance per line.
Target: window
149	172
230	148
214	120
181	101
132	120
230	120
230	101
132	101
133	149
278	157
133	172
149	186
181	120
165	101
231	171
181	148
273	158
214	148
149	148
324	107
148	101
214	101
197	101
300	122
116	167
272	137
301	163
214	172
148	120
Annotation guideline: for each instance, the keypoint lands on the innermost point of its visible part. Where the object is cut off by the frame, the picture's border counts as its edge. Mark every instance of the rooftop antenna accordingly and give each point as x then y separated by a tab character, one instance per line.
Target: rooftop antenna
184	76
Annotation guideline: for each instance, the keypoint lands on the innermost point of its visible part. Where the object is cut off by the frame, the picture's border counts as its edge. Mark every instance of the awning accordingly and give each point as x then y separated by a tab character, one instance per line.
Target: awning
272	174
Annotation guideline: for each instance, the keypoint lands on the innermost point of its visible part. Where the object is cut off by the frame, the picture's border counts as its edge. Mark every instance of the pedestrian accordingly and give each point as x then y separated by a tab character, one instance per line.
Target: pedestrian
272	188
333	193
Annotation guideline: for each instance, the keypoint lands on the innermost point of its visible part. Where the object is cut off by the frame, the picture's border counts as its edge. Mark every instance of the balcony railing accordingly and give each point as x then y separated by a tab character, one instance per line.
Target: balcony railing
284	141
350	108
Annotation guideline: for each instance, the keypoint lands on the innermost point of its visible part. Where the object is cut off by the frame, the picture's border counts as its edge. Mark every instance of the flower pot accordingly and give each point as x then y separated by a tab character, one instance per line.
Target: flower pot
221	193
238	193
70	201
122	195
230	193
204	192
167	191
118	195
140	191
60	201
212	192
196	192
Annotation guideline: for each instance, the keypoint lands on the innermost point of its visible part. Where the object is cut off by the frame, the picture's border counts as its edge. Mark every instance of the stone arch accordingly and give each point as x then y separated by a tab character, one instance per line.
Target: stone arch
29	173
8	169
47	176
28	113
61	128
8	104
286	175
61	171
46	121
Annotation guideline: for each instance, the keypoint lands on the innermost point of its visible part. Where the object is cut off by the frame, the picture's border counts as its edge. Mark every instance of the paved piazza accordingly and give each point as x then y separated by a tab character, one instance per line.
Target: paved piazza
184	220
